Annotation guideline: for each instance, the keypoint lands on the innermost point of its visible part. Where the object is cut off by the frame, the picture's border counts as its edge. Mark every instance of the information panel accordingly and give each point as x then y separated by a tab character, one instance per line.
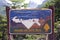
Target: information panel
30	21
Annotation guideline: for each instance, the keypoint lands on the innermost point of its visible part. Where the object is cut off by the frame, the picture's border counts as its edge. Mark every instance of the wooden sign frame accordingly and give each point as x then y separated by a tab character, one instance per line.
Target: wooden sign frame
52	35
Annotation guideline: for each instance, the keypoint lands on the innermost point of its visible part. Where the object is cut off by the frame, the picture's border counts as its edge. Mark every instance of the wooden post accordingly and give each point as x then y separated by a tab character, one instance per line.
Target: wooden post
47	37
7	14
10	37
51	36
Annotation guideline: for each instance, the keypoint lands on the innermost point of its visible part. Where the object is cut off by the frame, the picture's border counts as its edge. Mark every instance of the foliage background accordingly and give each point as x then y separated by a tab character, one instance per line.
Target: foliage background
3	18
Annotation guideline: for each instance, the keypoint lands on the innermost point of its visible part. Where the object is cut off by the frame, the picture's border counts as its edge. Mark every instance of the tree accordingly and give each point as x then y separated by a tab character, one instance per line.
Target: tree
17	0
3	27
49	3
18	4
57	10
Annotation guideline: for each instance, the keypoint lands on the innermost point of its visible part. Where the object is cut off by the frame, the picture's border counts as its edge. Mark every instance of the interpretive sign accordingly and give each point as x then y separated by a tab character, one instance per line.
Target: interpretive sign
30	21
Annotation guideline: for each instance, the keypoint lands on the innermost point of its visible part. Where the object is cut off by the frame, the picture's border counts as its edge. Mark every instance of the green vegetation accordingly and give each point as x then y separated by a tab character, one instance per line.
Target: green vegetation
3	28
17	0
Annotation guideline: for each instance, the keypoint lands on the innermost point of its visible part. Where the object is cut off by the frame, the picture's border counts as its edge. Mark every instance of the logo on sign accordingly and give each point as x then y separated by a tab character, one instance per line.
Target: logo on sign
28	23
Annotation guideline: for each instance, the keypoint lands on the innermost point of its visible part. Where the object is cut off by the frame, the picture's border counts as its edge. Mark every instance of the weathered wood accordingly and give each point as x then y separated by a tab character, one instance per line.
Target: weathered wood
51	36
7	14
